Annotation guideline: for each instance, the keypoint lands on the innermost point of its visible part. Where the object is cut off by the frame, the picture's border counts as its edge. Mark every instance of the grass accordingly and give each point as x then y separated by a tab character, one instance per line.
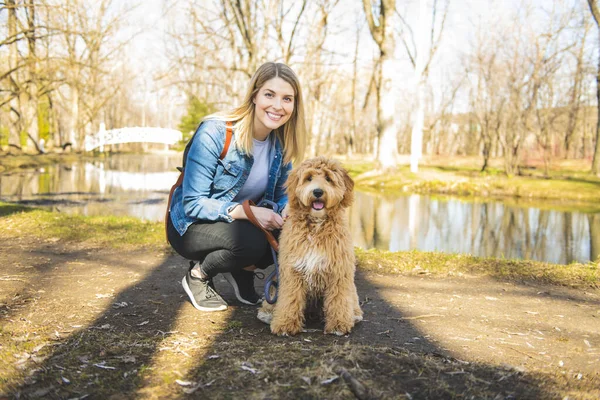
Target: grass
444	264
126	232
111	231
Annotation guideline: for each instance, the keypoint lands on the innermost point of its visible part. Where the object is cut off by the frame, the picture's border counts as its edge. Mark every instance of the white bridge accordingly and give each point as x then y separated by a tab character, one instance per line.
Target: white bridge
131	135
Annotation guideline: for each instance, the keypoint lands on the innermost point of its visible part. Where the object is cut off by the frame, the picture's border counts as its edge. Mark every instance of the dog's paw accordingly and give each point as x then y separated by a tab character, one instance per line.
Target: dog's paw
338	328
285	329
264	316
358	315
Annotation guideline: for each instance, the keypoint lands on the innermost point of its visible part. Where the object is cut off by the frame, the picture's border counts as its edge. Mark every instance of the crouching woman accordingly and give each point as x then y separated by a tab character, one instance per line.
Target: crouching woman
207	223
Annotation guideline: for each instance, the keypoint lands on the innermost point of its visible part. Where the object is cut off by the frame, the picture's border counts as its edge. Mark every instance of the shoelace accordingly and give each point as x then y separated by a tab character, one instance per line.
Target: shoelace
210	292
259	275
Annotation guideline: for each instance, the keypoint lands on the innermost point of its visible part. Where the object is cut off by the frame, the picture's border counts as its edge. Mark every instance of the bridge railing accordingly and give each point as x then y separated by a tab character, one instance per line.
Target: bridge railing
131	135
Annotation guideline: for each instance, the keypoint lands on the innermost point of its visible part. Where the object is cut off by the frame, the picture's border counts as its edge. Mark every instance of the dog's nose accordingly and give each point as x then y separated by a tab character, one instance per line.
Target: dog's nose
318	193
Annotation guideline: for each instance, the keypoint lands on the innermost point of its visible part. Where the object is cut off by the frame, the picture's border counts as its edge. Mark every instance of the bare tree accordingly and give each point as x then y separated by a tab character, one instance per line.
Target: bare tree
576	91
380	20
424	43
596	161
62	58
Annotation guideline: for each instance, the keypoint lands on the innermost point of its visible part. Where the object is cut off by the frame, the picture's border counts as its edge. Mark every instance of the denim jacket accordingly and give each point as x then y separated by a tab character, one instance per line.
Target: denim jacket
210	184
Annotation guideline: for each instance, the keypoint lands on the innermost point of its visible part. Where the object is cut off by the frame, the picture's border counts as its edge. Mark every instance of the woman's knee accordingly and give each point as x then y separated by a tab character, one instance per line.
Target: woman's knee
248	242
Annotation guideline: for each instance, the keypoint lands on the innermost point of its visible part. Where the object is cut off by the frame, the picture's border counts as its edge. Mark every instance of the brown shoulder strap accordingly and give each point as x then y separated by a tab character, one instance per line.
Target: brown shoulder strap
228	136
168	213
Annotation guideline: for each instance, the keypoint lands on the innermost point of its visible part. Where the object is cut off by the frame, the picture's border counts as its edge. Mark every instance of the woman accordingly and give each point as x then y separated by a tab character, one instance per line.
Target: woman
208	223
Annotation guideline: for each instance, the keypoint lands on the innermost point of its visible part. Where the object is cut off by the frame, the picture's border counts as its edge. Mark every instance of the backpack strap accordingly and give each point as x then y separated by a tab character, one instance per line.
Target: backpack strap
228	136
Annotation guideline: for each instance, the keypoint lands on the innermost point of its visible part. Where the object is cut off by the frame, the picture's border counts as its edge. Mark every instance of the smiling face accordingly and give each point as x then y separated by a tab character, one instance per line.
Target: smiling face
274	105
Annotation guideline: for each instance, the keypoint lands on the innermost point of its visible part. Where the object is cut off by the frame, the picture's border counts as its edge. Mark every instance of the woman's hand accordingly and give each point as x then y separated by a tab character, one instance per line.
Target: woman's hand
269	219
266	217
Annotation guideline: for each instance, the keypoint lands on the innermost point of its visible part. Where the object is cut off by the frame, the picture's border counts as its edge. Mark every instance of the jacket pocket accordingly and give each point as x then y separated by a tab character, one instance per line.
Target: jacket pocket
227	175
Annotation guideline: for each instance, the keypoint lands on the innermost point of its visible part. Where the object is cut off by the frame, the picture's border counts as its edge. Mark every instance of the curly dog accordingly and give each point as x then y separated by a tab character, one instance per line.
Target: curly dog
316	256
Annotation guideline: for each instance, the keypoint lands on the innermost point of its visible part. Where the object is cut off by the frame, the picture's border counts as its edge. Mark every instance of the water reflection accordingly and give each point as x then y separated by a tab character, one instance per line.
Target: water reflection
482	229
138	186
121	185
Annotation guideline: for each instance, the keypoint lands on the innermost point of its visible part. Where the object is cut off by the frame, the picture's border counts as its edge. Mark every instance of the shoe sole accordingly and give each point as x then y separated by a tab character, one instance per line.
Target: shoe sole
232	282
196	305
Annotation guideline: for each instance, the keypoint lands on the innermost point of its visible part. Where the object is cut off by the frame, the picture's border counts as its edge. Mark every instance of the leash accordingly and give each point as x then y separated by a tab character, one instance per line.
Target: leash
272	281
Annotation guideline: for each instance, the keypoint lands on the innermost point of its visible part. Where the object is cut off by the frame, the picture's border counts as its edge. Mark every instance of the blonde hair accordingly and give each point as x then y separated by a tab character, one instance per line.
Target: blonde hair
292	134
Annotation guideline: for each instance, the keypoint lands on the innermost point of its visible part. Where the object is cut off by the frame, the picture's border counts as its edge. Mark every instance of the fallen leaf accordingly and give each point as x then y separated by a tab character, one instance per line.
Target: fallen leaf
456	372
248	367
101	365
184	383
329	380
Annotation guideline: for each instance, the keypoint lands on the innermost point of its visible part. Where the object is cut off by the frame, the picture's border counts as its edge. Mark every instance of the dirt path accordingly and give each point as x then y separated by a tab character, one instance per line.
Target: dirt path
79	321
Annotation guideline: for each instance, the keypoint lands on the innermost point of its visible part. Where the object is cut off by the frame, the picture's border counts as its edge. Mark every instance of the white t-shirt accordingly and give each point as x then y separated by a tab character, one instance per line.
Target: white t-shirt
257	181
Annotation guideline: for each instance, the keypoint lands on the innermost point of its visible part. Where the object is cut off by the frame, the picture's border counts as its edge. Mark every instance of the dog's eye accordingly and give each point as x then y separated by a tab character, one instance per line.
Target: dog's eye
327	178
309	178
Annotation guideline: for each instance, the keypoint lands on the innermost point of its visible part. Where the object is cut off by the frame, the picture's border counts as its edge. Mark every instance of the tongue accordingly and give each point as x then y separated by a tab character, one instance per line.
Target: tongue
318	205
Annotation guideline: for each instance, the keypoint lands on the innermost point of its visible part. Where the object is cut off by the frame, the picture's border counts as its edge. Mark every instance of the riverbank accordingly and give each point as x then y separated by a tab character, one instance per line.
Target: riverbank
568	187
94	306
11	161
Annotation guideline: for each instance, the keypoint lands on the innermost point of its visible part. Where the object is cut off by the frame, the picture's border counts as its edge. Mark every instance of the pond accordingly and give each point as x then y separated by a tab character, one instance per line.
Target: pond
138	186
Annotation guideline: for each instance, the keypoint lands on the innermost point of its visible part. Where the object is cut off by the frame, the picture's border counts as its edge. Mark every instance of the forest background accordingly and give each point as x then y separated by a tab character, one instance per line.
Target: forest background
510	80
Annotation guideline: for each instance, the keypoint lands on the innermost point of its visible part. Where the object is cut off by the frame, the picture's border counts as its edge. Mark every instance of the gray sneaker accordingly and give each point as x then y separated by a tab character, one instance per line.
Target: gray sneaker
202	295
243	286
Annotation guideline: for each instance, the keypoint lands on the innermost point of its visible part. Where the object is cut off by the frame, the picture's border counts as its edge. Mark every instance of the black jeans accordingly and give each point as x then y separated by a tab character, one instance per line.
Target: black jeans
222	246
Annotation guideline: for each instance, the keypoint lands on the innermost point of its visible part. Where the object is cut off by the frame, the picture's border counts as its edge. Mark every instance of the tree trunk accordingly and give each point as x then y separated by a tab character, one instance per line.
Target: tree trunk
596	161
388	142
416	137
74	138
13	131
32	98
382	32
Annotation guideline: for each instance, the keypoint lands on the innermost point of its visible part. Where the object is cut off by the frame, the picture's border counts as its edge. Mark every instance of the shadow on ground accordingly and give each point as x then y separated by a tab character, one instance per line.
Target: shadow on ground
118	325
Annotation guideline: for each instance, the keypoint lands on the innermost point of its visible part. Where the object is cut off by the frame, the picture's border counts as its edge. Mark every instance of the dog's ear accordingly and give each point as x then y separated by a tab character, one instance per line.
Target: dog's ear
349	192
290	188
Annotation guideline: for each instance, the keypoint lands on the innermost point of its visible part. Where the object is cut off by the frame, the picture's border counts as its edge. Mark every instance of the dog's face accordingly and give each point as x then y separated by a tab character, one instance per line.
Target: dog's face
318	186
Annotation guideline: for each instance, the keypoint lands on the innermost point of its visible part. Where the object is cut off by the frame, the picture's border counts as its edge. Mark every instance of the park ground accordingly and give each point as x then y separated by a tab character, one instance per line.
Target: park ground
92	307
